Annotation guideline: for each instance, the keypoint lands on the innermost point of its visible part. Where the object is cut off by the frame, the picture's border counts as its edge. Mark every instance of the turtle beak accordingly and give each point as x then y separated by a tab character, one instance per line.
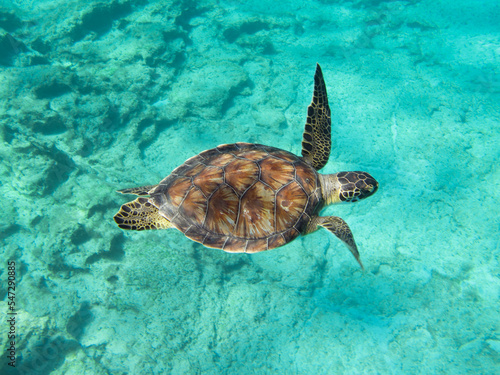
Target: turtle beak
366	184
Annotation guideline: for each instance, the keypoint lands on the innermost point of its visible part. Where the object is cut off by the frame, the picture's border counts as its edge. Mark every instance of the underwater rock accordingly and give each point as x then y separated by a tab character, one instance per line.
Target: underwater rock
39	169
50	125
207	90
51	89
9	21
9	47
39	346
100	18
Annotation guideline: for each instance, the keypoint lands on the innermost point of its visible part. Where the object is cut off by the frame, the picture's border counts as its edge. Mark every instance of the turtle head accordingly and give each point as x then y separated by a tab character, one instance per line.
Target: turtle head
347	187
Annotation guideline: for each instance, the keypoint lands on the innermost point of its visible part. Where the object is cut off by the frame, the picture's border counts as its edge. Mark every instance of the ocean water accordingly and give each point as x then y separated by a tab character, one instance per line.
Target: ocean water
98	96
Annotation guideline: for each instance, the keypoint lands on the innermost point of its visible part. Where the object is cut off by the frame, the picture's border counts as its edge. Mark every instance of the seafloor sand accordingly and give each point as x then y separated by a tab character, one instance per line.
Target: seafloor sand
100	96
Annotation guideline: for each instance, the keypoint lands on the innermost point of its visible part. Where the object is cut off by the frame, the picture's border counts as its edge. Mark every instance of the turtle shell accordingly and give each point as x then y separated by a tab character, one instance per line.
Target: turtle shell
240	197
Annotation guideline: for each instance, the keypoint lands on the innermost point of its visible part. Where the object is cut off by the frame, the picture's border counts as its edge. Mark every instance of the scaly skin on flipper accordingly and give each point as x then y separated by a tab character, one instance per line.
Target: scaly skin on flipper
140	215
141	190
339	228
316	140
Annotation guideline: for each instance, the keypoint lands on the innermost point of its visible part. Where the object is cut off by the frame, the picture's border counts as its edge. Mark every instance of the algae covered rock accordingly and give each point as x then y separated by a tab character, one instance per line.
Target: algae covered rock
207	89
38	346
9	47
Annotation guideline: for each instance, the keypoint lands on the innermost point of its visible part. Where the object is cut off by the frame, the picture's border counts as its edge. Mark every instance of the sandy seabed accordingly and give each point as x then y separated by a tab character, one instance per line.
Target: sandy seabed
98	96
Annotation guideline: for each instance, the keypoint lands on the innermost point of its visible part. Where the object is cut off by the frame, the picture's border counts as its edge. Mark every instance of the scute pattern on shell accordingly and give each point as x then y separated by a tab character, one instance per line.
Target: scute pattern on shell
240	197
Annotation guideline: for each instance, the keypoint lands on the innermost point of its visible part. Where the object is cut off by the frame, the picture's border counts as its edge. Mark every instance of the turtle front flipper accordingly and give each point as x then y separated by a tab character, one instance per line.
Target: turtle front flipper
339	228
140	215
141	190
316	140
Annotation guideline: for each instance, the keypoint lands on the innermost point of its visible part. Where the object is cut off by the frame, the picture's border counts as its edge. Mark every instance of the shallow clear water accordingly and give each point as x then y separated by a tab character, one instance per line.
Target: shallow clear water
96	97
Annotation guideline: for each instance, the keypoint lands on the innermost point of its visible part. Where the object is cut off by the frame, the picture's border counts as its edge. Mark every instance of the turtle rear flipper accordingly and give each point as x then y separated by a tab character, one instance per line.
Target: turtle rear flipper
140	215
141	190
339	228
316	140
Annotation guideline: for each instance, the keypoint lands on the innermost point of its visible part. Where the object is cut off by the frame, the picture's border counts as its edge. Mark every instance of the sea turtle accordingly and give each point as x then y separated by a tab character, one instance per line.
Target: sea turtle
245	197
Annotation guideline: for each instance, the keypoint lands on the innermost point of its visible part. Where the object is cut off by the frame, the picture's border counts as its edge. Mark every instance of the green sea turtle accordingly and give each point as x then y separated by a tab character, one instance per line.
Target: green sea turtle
245	197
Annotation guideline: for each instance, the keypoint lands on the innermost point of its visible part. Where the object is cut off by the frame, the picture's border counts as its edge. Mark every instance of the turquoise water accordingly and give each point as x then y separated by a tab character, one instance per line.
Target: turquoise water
96	97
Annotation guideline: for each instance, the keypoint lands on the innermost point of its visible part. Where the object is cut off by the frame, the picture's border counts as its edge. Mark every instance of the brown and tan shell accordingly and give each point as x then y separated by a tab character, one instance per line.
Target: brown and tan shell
240	197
